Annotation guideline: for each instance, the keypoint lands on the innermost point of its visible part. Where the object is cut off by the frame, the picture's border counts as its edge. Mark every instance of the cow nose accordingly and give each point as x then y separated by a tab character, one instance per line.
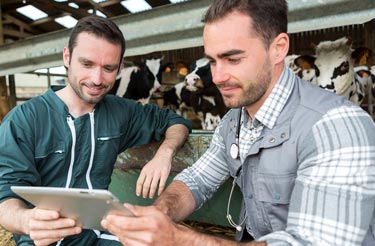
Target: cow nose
191	79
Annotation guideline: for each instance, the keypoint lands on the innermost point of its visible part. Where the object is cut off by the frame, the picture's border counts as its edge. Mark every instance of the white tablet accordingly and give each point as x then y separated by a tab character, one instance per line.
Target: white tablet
87	207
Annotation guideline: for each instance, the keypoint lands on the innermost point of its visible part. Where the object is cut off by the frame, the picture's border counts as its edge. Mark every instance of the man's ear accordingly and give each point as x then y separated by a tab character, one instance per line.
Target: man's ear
279	48
66	57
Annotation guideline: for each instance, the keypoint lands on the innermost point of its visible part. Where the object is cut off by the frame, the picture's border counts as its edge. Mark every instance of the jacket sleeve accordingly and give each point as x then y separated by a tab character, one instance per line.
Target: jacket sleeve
16	156
333	199
149	123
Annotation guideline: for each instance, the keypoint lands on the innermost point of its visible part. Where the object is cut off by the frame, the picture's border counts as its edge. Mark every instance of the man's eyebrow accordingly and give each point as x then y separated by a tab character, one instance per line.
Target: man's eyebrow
227	53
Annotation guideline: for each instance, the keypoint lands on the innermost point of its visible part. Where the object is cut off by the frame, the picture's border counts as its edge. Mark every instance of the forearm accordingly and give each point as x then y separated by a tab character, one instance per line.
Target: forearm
176	201
14	216
175	137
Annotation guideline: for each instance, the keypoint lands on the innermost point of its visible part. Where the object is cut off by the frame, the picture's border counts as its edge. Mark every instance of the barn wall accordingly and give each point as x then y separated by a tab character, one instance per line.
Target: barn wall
361	34
300	43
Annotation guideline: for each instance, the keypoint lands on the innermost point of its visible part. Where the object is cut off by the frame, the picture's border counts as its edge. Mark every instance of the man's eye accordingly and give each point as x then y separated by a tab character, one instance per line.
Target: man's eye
85	64
110	69
234	60
212	62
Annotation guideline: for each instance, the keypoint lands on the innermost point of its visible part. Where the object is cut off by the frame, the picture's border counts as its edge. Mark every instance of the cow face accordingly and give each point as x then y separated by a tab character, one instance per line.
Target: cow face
154	65
211	121
139	81
200	75
303	66
334	66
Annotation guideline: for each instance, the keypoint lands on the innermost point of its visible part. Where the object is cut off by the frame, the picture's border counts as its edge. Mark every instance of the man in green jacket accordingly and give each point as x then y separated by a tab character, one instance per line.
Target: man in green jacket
71	138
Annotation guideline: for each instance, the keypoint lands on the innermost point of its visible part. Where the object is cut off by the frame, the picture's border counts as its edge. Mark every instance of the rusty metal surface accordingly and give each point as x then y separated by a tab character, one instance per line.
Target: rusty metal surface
129	163
194	147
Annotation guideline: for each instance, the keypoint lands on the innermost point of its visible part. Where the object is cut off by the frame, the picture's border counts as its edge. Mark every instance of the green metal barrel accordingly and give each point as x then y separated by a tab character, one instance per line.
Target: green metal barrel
130	162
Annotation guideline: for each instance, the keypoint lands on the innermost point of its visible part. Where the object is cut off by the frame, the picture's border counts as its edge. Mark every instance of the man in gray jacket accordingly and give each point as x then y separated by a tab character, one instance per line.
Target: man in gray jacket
304	158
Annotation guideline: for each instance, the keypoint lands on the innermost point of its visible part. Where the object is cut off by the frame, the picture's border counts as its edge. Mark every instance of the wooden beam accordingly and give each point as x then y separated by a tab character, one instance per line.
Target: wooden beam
12	91
110	2
43	4
21	24
1	26
48	19
19	34
97	6
4	99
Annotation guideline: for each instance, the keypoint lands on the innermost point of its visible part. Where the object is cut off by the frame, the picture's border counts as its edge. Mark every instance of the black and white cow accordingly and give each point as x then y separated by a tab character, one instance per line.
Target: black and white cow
303	66
140	81
331	68
334	68
203	95
197	97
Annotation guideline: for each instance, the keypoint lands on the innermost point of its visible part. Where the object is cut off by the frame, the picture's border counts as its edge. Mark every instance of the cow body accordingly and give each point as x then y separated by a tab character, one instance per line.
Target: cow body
138	82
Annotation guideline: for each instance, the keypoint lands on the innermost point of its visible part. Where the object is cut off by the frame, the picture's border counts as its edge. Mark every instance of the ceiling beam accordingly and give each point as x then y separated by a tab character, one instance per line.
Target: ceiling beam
77	13
20	24
16	33
97	6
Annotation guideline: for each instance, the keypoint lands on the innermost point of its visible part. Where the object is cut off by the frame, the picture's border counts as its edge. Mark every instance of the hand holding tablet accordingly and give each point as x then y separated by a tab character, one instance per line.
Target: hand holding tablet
87	207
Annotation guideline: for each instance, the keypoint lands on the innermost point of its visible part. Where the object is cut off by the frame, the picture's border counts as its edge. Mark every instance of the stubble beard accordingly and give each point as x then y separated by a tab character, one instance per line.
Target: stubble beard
77	88
253	92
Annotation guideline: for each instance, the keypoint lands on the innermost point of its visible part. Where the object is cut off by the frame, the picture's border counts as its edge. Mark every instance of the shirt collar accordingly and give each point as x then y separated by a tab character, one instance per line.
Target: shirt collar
275	102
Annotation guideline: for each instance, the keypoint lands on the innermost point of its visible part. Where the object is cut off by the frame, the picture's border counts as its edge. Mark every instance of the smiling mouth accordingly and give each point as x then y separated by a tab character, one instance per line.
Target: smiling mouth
94	90
228	90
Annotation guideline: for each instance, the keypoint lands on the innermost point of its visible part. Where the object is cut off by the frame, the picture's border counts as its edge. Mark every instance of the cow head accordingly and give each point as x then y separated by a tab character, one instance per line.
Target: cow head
200	75
364	59
154	65
303	66
334	66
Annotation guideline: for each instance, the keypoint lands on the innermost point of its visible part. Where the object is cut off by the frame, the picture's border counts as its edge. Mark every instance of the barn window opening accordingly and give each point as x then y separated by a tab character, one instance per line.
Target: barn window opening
135	6
32	12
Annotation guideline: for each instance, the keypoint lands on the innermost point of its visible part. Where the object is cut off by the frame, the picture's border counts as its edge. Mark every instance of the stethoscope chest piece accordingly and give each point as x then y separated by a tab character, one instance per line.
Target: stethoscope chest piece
234	150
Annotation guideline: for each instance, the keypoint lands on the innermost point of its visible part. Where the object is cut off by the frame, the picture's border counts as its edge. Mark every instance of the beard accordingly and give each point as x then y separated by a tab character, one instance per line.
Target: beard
252	91
77	87
89	99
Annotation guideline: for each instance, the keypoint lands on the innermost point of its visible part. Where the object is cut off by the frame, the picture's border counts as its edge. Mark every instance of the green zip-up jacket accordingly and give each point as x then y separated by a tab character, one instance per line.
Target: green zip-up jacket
42	145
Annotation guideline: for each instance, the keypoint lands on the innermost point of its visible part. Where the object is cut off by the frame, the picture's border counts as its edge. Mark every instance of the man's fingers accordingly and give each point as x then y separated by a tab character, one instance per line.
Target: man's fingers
44	214
140	182
154	185
52	224
52	235
162	182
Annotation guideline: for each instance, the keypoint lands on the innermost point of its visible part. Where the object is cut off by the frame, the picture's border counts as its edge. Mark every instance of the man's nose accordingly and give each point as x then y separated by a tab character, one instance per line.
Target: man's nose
219	74
97	76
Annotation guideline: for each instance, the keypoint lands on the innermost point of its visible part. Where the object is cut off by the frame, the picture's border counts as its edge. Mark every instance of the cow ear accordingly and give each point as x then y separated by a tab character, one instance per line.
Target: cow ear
313	45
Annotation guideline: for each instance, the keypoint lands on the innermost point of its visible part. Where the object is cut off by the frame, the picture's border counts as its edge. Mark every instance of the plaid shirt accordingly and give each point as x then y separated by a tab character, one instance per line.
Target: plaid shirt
334	196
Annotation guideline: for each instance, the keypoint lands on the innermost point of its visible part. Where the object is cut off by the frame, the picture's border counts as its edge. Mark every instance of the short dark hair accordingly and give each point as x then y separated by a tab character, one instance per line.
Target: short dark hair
269	17
100	27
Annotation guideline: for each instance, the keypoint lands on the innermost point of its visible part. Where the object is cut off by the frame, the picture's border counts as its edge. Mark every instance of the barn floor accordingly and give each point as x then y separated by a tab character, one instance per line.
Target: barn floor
6	238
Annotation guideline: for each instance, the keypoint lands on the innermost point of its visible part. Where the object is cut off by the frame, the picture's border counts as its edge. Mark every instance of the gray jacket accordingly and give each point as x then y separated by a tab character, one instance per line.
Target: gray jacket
270	169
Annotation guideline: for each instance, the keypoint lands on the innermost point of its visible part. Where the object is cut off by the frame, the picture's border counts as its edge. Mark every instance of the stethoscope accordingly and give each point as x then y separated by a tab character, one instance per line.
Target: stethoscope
235	153
235	147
